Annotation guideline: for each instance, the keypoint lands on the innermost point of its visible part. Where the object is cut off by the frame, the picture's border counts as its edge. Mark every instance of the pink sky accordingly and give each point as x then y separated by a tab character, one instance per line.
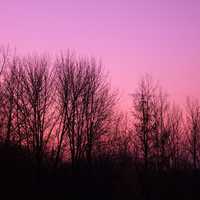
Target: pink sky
131	37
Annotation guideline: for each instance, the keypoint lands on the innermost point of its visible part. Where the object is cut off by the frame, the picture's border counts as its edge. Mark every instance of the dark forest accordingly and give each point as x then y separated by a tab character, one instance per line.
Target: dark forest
63	136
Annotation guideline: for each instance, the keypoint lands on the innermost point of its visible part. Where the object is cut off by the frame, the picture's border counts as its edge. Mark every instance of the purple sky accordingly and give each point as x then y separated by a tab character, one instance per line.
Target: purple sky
131	37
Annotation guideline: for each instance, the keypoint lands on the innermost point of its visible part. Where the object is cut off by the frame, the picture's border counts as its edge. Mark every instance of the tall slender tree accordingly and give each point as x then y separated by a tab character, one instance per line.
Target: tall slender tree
143	111
193	120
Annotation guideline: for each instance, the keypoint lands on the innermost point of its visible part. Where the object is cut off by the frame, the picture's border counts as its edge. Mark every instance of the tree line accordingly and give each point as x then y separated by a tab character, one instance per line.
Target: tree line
65	110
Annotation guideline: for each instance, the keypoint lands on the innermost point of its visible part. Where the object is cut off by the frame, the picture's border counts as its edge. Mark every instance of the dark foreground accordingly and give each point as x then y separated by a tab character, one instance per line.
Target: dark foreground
20	178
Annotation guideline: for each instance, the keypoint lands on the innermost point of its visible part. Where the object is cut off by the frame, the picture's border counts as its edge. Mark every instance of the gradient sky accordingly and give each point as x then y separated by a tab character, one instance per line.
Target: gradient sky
131	37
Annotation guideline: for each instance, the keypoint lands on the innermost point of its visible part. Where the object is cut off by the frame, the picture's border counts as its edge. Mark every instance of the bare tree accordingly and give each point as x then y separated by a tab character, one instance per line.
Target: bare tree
98	106
193	122
174	128
34	103
85	105
160	134
70	84
3	62
3	58
9	106
143	110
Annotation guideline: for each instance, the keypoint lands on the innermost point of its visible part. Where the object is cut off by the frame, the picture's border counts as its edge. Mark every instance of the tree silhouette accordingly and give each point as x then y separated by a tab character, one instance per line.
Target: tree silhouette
143	104
62	133
85	105
34	101
193	119
175	130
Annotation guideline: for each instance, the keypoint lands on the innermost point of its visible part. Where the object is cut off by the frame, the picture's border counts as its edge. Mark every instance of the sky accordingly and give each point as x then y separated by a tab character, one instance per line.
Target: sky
130	37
